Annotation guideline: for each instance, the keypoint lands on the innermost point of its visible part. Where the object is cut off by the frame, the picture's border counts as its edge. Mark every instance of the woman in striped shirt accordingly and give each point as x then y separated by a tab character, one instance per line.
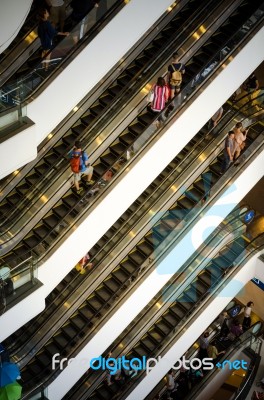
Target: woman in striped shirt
160	98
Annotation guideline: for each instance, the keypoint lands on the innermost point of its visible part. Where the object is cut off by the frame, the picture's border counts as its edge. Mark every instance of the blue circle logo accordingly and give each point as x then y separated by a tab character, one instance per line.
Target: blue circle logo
249	216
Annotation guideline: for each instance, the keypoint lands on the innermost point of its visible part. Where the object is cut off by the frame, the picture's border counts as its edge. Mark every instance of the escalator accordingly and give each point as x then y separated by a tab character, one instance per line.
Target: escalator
116	90
128	269
76	328
97	305
130	80
46	231
27	69
177	308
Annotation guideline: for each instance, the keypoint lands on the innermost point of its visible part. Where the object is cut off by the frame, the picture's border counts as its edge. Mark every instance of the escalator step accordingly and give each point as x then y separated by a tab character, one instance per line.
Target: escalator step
86	312
106	99
14	198
51	221
133	69
79	129
145	248
23	188
69	330
61	210
194	195
142	59
163	327
78	322
70	200
123	79
95	302
42	168
108	159
33	178
112	284
31	241
115	89
136	257
120	275
60	149
146	118
118	149
70	138
51	159
61	340
186	203
137	128
127	138
129	267
41	231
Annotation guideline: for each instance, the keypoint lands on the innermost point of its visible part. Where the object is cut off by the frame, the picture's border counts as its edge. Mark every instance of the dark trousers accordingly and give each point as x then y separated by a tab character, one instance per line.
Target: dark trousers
226	162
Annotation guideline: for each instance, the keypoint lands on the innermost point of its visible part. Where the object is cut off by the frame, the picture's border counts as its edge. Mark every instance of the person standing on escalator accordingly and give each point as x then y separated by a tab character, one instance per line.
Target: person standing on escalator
81	8
57	13
80	166
228	152
240	138
46	34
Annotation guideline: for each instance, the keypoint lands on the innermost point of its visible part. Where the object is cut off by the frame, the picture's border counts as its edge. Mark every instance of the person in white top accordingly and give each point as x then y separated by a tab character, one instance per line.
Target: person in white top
170	382
240	137
247	313
57	13
215	118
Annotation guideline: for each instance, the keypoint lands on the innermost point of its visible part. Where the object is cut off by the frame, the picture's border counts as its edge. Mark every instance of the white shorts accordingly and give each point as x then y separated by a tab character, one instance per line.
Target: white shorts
88	171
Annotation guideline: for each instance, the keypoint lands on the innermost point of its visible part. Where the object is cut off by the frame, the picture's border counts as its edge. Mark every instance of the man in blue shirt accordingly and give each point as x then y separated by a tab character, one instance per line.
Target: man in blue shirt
84	169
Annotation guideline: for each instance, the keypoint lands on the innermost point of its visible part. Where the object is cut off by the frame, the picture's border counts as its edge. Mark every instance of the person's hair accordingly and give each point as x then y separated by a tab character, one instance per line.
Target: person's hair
195	363
231	133
175	56
42	12
239	125
78	144
250	303
161	81
206	334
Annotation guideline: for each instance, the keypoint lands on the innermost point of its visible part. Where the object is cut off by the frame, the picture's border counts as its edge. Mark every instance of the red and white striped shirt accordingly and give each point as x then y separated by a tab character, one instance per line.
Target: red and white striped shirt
161	95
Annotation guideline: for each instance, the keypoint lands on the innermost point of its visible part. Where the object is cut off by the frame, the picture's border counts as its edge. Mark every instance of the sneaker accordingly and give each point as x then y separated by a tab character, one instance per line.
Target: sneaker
90	182
79	191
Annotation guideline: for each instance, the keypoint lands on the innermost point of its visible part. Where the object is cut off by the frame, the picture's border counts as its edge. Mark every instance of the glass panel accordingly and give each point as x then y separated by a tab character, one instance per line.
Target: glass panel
16	282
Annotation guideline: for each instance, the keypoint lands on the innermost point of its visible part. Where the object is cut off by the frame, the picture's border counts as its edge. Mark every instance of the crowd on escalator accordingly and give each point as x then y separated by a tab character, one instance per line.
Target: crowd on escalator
210	345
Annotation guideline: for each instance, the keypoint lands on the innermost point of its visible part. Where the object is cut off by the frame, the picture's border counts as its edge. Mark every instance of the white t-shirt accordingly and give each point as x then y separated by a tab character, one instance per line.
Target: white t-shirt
217	114
247	311
170	382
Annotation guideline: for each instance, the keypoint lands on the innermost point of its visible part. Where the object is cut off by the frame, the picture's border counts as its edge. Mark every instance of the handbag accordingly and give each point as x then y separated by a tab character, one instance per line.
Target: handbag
150	96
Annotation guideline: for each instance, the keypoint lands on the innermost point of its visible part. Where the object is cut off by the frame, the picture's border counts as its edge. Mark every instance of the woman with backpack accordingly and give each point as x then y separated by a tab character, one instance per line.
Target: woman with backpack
159	98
